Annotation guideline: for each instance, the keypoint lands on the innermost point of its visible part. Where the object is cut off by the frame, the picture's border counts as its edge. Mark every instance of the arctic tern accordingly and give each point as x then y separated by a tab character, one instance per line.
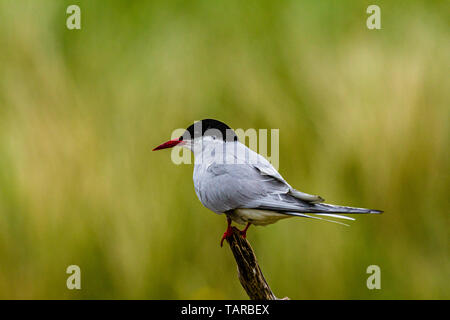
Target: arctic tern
231	179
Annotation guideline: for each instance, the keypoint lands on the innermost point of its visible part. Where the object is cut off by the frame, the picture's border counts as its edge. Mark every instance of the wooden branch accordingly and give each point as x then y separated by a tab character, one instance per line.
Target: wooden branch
249	272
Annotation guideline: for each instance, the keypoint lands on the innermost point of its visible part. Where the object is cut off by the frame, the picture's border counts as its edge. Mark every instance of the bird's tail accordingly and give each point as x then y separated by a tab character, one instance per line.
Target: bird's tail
320	210
331	208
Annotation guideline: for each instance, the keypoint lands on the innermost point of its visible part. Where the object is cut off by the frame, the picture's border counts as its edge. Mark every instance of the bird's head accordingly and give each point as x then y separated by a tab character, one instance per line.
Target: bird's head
199	132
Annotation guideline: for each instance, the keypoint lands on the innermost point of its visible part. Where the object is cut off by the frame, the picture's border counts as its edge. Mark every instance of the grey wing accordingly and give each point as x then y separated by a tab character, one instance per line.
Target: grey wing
294	201
265	168
226	187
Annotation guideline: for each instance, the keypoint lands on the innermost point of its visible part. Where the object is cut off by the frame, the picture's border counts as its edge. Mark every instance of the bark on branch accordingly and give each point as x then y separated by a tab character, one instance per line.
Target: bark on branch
249	272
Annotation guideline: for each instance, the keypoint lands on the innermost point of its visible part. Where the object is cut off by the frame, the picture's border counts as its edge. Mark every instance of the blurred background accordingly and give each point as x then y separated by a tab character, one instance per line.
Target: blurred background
363	118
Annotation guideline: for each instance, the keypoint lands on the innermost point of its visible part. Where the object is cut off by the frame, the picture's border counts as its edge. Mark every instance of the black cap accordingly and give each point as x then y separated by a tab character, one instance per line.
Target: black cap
209	127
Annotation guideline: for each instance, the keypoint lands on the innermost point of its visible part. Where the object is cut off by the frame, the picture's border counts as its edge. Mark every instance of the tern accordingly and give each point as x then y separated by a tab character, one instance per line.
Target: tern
231	179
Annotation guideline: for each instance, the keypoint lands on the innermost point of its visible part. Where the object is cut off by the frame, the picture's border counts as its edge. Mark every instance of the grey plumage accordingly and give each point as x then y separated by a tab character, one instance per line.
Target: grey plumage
230	178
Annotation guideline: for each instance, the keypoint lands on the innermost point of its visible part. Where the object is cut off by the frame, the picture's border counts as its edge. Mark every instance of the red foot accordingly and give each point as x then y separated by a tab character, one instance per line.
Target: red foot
244	232
229	231
226	234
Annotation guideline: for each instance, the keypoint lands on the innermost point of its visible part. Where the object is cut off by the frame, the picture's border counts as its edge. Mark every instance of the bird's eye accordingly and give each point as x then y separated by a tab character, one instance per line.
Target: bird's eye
180	138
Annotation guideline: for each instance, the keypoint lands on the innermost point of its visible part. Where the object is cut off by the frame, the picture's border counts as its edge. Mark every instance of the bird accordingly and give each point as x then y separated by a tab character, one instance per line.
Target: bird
231	179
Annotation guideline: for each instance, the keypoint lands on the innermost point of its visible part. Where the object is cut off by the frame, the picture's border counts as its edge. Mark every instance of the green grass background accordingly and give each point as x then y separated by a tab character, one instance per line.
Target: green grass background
363	118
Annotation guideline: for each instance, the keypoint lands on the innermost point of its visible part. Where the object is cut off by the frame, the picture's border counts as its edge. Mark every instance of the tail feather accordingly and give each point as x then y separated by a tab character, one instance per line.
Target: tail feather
331	208
334	216
318	218
319	210
286	203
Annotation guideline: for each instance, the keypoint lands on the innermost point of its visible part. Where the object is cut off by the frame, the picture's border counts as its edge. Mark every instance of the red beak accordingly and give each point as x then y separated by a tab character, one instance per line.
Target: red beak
168	144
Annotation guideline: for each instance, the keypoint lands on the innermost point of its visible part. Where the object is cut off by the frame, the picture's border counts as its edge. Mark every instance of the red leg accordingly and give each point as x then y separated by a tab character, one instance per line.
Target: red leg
244	232
228	232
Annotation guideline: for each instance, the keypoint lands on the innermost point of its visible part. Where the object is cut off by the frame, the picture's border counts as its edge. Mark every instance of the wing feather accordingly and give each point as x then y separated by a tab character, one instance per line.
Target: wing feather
257	185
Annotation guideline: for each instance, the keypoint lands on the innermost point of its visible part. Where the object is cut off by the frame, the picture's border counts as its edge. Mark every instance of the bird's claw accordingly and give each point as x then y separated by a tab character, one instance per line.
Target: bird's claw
229	232
226	234
244	231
